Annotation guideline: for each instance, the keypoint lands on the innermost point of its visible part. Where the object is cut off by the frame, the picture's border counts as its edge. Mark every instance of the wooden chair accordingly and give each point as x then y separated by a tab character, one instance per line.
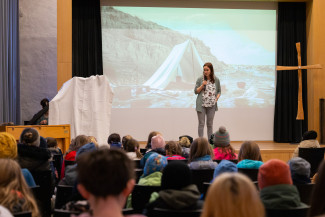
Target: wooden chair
138	174
294	212
64	213
63	195
234	161
251	173
141	195
22	214
314	156
184	161
158	212
69	162
305	192
57	163
44	194
201	176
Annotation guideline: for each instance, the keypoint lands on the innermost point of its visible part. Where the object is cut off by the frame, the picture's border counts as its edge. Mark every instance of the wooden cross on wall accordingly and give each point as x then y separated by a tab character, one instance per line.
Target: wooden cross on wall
300	112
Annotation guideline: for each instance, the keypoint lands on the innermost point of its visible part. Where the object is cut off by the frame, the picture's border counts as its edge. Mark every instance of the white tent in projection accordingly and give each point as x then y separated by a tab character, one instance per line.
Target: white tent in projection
171	66
85	104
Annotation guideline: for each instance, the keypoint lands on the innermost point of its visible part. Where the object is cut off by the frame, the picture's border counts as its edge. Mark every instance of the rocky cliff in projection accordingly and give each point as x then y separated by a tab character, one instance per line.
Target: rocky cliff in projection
151	66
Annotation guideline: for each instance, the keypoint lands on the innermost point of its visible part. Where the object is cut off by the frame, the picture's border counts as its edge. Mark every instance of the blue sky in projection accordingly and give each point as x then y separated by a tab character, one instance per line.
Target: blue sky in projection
235	36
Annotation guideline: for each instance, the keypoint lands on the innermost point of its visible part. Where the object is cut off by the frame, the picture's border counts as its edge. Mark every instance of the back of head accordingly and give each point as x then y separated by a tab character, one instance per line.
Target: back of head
151	134
131	145
221	137
184	142
173	148
157	142
232	194
30	136
8	146
309	135
125	139
80	141
249	150
155	163
299	166
51	142
114	138
274	172
105	172
94	140
44	102
86	148
225	166
199	148
176	175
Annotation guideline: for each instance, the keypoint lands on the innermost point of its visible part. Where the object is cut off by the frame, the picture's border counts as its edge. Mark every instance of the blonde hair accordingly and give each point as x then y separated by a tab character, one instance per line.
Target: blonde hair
14	189
199	148
94	140
232	195
185	142
173	148
249	150
8	146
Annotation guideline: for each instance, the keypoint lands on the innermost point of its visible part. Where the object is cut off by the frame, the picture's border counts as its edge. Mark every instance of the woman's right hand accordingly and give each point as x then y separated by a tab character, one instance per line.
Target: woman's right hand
204	82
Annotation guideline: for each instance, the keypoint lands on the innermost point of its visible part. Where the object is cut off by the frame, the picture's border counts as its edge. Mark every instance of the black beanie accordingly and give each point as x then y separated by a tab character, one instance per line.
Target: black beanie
309	135
176	175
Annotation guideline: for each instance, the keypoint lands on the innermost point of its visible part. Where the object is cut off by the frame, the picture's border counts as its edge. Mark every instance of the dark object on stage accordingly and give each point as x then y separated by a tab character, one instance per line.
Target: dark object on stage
38	115
158	212
322	120
305	192
141	195
294	212
251	173
314	156
201	176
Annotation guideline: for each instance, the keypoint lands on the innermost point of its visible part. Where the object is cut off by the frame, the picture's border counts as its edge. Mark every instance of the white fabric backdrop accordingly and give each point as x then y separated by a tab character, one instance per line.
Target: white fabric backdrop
85	104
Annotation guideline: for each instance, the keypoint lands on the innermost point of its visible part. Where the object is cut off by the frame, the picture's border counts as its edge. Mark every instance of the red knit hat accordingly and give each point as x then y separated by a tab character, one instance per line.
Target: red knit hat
274	172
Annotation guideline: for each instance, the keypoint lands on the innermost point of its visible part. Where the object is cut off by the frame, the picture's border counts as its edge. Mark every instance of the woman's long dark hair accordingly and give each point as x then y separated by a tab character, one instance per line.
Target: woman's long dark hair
211	73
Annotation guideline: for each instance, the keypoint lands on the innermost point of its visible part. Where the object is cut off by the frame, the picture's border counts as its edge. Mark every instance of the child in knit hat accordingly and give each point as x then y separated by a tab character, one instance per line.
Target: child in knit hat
225	166
8	149
276	189
222	148
300	170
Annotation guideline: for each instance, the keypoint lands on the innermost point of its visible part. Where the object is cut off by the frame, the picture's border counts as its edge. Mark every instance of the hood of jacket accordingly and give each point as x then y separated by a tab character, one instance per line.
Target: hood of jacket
249	164
180	199
154	179
281	197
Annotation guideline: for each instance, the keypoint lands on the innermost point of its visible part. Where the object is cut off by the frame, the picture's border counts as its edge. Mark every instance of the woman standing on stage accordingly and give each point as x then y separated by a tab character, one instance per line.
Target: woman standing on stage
208	91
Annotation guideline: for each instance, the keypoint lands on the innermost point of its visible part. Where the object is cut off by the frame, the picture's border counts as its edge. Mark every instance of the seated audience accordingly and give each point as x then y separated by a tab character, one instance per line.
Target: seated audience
151	134
94	140
225	166
157	145
201	155
125	139
152	171
132	149
177	191
232	195
222	148
300	171
75	145
114	141
8	149
52	145
276	189
30	154
309	140
14	192
70	177
249	156
173	151
185	144
106	178
317	204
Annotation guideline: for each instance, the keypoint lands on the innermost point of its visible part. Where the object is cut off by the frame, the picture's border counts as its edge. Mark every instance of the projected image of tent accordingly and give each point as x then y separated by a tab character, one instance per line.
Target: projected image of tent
183	61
